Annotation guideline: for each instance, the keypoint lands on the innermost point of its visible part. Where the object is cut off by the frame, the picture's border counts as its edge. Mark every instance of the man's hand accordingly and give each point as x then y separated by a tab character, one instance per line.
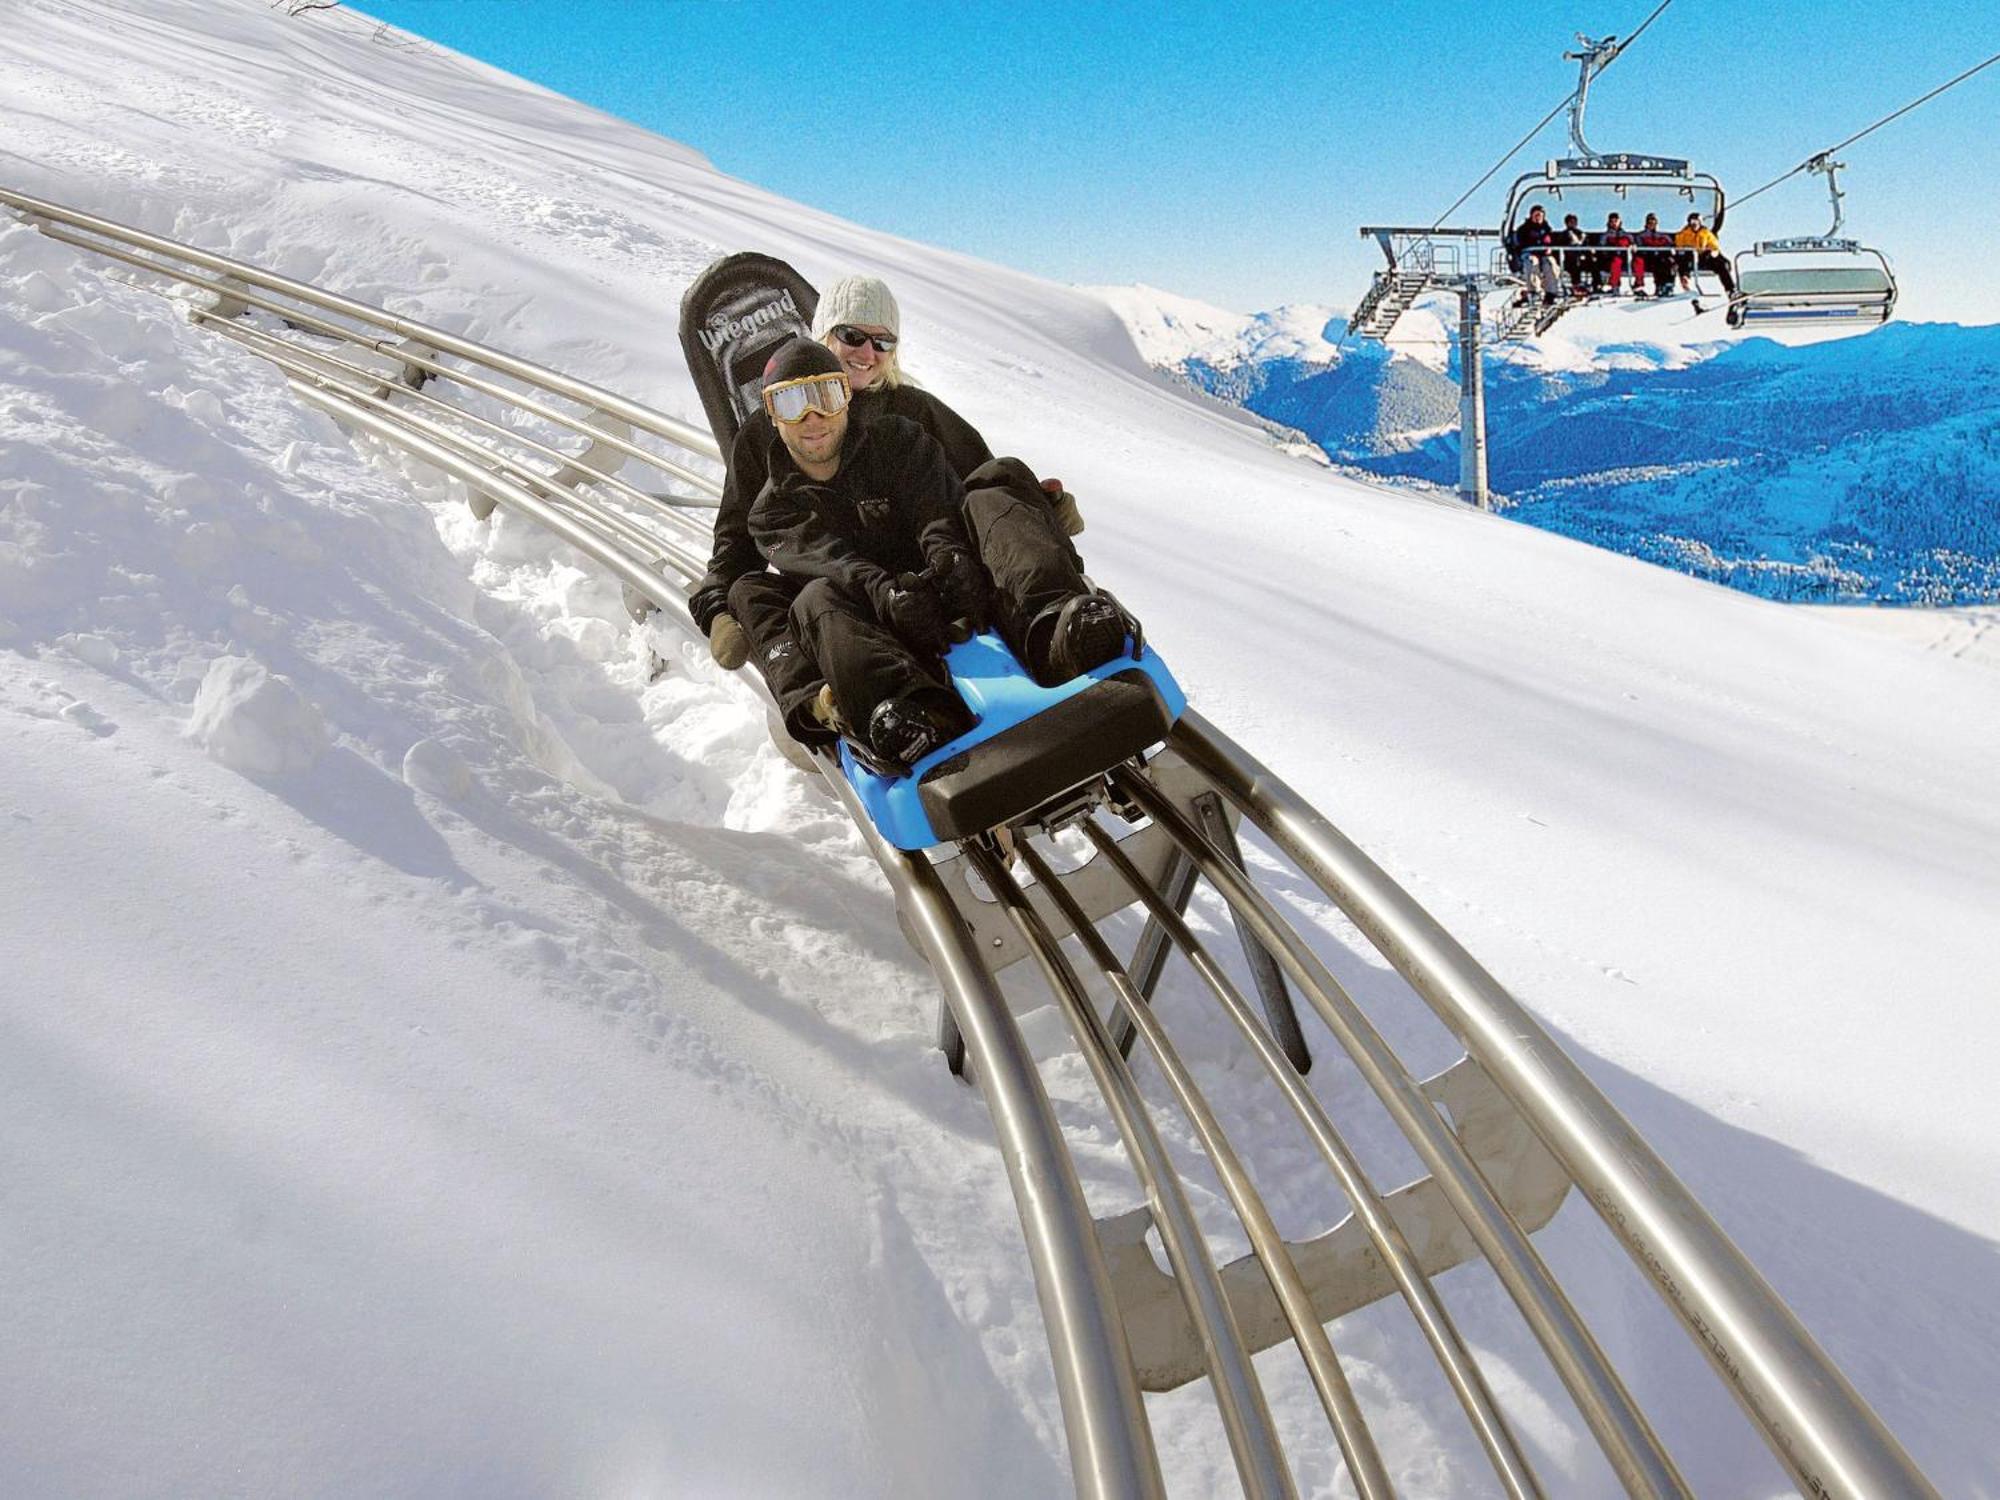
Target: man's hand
727	643
911	608
961	584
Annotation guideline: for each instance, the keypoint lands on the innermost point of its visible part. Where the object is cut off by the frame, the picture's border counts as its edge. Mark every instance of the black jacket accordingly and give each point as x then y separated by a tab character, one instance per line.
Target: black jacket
734	553
1527	235
891	508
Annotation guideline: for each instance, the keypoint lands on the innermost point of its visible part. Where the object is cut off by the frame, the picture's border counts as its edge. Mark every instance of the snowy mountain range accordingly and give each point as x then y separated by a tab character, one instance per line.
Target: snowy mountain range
1855	469
446	1049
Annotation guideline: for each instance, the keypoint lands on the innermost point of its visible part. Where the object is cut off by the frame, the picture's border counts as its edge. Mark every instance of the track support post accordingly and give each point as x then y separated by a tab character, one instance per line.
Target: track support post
1264	970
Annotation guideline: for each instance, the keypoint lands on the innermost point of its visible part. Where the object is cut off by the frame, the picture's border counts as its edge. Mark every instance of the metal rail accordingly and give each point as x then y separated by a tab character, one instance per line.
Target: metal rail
1260	1461
1816	1423
645	418
1502	1447
1343	1411
1110	1439
313	365
1621	1429
1523	1120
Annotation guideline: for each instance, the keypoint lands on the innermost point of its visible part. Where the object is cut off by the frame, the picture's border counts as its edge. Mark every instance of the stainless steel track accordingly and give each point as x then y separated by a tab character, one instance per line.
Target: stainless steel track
1817	1424
1260	1461
1621	1429
1343	1411
1495	1436
1523	1121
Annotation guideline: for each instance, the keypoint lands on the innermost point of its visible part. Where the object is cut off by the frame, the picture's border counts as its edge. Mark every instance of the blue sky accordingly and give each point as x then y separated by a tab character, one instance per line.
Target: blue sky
1229	152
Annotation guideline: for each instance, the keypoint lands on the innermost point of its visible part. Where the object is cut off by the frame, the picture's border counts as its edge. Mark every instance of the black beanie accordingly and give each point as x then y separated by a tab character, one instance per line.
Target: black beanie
797	359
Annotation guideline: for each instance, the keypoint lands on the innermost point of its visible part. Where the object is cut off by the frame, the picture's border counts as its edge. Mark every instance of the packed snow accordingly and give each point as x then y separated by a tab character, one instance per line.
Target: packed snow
445	1049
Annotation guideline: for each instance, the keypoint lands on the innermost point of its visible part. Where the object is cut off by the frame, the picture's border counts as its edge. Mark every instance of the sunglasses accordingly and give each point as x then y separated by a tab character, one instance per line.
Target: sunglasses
854	338
795	400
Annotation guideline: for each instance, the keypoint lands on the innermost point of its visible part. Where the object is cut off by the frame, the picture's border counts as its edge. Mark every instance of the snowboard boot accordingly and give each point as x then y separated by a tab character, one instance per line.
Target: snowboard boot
1068	639
902	731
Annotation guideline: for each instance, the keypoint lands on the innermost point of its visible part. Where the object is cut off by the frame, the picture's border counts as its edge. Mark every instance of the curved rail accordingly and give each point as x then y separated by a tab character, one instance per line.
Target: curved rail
1502	1447
111	235
1505	1131
1816	1422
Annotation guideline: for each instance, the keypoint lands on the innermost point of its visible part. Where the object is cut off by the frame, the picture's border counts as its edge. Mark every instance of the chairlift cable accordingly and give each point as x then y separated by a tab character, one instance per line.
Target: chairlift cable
1562	104
1897	114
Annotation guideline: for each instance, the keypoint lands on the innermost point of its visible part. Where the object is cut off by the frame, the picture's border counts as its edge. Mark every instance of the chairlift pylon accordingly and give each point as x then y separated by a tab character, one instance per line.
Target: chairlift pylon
1821	278
1593	184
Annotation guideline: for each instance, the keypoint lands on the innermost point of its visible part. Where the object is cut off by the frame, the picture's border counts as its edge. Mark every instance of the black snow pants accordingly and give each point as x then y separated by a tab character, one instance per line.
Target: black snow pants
1031	561
864	661
762	605
1027	555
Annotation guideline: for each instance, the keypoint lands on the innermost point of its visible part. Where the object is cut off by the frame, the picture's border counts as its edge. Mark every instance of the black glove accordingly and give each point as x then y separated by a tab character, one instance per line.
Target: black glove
911	608
961	584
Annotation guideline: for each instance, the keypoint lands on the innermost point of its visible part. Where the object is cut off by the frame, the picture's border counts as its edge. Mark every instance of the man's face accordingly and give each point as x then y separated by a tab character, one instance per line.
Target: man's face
815	438
1614	222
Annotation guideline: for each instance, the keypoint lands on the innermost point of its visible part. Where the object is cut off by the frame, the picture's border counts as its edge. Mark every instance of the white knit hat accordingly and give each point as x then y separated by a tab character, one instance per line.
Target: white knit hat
857	299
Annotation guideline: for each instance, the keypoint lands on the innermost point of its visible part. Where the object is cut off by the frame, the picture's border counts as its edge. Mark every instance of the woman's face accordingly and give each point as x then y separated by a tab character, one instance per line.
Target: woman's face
864	364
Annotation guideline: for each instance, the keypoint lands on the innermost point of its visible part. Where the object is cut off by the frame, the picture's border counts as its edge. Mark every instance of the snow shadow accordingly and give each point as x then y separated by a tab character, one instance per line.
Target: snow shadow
631	863
365	807
1906	1305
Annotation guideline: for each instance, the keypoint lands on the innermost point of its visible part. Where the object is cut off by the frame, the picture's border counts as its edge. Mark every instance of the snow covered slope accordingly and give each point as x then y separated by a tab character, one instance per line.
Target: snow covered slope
437	1056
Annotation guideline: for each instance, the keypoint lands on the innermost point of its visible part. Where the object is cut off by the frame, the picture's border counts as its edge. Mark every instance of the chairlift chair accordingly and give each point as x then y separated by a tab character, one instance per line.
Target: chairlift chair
1821	279
1593	184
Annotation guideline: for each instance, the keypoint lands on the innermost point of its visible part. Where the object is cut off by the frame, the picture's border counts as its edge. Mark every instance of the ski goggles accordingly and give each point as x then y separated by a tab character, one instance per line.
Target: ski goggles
854	338
794	400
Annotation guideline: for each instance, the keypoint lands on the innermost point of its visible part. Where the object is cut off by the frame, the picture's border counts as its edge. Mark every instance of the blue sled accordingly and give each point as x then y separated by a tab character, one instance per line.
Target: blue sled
1031	743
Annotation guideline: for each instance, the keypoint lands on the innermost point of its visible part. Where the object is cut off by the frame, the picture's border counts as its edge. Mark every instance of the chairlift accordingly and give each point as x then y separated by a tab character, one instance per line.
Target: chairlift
1820	278
1592	184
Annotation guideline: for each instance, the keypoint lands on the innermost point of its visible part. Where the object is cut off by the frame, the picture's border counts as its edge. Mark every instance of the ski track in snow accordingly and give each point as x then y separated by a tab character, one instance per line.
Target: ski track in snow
509	1078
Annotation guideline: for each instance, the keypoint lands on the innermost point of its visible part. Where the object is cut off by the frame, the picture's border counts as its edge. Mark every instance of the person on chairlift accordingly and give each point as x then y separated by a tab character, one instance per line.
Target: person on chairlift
1699	249
1657	247
871	535
1616	251
1529	253
1579	265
